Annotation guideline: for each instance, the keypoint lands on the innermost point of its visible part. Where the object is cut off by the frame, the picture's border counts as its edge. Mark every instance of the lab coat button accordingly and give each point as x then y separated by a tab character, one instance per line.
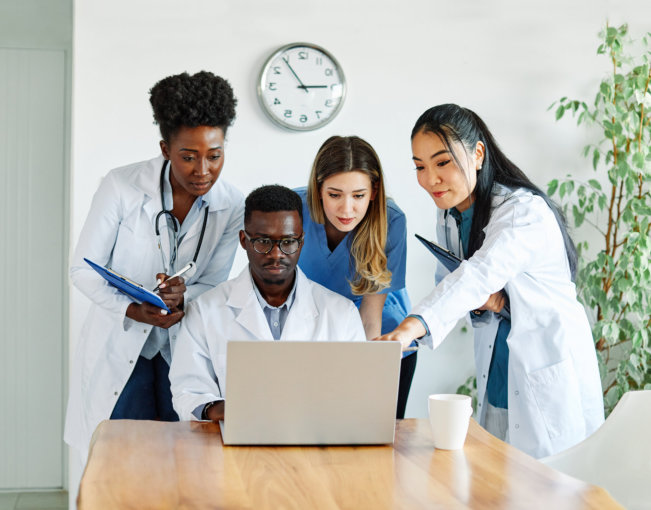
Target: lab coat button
275	324
116	393
484	376
517	392
173	337
490	346
131	361
144	331
517	426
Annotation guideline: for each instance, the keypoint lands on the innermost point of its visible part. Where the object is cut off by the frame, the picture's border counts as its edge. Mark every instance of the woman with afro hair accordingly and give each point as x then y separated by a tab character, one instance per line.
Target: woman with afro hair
147	221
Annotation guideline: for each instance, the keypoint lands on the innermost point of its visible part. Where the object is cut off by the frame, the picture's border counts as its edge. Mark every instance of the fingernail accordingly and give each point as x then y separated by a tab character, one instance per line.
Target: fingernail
159	281
163	312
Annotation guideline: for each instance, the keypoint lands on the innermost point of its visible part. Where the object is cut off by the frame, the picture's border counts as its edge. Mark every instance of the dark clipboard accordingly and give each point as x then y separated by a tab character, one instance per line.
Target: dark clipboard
451	262
132	289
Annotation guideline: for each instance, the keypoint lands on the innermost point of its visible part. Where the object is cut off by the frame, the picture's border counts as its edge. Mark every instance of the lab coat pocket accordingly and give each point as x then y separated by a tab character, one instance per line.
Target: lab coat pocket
555	392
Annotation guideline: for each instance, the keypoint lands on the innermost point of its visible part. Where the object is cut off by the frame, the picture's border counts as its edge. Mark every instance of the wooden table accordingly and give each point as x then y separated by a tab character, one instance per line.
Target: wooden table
146	464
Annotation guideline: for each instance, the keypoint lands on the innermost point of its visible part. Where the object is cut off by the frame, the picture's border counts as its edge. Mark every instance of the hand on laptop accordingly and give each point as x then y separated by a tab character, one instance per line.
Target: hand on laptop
407	331
216	411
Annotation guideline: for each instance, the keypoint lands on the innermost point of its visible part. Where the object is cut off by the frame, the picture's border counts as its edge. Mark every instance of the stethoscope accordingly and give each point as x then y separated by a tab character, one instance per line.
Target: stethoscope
175	225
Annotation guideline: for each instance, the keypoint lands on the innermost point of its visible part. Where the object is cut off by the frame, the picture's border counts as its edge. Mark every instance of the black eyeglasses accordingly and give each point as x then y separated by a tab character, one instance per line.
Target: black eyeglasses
263	245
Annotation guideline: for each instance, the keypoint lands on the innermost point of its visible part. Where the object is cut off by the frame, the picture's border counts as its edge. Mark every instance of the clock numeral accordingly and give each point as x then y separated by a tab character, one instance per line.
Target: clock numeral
276	100
319	61
276	69
328	71
302	55
272	86
303	118
318	113
288	114
329	103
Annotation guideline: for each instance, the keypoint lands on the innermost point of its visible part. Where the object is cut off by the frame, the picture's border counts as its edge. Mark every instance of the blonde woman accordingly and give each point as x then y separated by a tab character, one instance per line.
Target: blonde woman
355	240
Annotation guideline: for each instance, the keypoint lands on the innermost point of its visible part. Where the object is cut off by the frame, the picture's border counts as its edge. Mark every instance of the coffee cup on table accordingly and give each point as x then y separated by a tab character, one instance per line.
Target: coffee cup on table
449	416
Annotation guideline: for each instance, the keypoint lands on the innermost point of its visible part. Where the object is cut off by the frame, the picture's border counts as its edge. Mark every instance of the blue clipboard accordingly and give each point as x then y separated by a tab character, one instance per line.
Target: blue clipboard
451	262
132	289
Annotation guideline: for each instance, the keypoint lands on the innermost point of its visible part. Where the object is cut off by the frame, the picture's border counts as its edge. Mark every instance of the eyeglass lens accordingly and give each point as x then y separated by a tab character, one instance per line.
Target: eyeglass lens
265	245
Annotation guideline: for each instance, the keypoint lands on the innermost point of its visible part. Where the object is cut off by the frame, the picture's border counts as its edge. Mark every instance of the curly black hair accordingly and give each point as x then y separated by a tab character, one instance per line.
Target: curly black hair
272	198
202	99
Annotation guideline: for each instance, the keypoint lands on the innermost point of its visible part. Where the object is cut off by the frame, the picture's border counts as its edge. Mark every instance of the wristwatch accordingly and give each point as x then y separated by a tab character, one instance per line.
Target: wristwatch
204	413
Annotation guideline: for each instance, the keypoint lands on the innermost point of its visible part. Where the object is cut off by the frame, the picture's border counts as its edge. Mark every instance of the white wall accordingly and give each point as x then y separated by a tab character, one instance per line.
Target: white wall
508	60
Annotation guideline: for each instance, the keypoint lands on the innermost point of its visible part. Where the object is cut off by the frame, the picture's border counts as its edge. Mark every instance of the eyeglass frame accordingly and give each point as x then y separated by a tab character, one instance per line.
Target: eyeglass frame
253	240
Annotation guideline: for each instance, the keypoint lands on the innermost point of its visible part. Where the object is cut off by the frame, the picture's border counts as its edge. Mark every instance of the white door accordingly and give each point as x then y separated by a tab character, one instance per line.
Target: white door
32	264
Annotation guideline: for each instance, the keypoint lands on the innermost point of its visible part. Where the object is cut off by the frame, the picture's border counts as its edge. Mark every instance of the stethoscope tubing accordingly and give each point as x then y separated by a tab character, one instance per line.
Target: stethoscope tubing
175	226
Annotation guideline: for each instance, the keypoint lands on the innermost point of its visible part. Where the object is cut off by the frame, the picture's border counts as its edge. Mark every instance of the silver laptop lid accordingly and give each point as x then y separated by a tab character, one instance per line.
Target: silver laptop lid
311	392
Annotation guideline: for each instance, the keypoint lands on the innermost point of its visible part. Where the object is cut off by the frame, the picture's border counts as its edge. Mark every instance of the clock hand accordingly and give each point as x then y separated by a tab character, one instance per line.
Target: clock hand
301	86
312	87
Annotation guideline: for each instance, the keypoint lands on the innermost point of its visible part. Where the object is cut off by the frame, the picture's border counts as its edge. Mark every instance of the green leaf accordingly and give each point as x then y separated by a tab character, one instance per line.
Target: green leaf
552	186
559	112
605	89
595	184
638	159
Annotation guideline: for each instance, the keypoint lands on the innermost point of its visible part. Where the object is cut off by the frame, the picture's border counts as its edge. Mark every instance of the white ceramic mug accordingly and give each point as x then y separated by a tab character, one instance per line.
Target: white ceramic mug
449	416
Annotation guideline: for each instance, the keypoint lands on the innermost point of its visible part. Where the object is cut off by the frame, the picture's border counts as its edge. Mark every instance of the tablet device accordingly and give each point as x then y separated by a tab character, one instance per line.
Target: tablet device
132	289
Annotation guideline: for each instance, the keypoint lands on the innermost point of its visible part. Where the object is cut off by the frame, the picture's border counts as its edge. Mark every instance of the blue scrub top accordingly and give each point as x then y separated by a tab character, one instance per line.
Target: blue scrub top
335	269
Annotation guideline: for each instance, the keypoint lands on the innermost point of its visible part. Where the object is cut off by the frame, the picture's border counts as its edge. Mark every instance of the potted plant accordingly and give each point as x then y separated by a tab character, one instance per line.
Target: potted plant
614	279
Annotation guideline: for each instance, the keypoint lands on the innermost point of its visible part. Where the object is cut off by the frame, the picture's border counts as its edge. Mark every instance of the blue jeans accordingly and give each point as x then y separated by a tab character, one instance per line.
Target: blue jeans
147	395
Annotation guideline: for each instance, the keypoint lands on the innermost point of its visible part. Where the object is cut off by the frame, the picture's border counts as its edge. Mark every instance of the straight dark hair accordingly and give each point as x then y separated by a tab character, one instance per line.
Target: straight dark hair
455	123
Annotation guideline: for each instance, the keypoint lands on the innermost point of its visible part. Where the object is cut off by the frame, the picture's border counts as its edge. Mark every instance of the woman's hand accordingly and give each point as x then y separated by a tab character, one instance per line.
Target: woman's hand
407	331
495	302
171	290
150	314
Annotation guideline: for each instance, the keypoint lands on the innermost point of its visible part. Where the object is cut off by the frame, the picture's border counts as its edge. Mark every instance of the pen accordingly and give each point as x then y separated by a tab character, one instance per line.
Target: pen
410	349
178	273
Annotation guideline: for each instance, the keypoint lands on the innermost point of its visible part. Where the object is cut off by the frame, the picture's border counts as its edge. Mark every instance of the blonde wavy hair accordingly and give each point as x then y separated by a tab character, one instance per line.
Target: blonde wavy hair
352	154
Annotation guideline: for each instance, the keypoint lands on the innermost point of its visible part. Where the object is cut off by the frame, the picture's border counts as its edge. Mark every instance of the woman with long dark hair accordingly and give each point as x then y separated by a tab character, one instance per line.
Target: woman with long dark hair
537	374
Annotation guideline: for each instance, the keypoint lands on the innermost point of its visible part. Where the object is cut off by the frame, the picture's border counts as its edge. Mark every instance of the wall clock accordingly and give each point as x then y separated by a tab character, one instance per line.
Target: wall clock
301	87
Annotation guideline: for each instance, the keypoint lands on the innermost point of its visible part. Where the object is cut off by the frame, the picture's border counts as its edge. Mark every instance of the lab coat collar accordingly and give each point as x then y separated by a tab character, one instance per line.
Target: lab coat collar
251	316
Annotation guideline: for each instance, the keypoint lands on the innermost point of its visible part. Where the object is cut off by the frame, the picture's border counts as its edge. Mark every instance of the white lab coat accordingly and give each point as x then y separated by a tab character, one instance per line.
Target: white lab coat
119	232
554	388
231	311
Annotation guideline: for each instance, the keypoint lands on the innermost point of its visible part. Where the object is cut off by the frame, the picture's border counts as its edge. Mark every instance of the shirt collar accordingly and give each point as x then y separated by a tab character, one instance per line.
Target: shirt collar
463	216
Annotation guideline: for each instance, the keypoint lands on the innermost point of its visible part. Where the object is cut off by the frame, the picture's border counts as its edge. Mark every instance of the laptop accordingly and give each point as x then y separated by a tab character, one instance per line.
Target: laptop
310	393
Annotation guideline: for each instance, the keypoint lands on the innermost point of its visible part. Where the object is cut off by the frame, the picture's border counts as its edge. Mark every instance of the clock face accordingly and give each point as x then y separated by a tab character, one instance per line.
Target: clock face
301	87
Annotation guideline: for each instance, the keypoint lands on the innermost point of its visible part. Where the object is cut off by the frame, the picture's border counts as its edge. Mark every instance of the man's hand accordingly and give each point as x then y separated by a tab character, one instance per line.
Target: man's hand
216	412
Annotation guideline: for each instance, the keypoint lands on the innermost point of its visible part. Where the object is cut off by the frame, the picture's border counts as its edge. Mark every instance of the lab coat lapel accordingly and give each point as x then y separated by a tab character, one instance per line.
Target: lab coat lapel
248	313
302	316
148	181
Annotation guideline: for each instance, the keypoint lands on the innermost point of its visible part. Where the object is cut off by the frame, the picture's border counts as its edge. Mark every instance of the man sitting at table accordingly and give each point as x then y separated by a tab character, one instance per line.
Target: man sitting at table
271	299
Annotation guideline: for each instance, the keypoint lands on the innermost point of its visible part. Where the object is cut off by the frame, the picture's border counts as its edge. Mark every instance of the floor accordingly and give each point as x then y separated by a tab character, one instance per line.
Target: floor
52	500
